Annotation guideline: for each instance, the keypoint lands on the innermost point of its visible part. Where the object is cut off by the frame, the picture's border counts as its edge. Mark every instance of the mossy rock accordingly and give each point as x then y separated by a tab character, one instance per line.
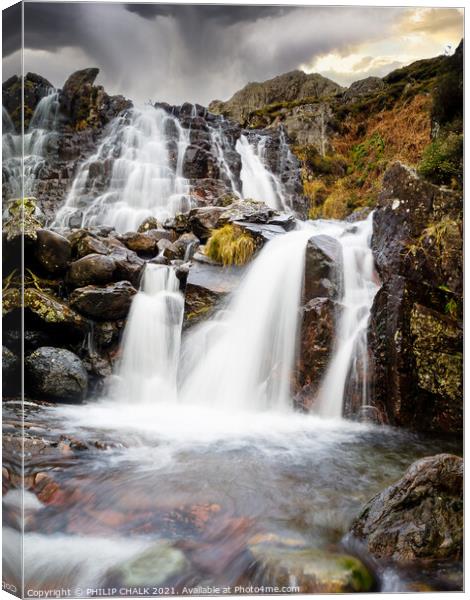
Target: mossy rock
53	311
159	564
23	219
279	562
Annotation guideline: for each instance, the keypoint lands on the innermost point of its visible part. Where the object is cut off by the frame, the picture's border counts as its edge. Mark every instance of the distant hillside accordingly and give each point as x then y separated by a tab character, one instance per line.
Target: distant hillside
283	88
346	138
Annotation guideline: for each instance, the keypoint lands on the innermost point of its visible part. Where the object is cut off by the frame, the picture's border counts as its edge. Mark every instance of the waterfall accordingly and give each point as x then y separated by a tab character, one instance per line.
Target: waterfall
24	156
349	362
151	341
136	172
243	358
220	145
258	182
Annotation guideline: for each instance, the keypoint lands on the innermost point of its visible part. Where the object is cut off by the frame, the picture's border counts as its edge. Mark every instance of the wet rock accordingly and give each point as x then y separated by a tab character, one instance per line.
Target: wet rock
418	230
415	332
206	287
53	251
280	562
11	371
10	362
323	259
418	517
186	245
167	249
107	302
149	224
84	243
53	311
417	352
23	218
92	268
199	163
251	211
318	318
203	220
159	564
141	243
56	374
162	234
20	99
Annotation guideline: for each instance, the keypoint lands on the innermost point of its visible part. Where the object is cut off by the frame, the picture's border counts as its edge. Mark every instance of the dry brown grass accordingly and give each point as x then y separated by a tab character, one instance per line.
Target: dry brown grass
405	129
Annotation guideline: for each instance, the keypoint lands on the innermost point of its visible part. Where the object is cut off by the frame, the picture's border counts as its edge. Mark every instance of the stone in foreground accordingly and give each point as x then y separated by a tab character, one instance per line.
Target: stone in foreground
418	517
56	374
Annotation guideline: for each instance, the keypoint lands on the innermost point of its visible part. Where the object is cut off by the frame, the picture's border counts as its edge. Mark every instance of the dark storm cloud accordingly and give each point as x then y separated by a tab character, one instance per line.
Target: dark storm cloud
11	30
188	52
221	14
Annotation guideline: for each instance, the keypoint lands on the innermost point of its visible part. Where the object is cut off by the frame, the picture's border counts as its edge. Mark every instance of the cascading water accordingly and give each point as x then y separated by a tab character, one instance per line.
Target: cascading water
220	145
258	182
24	156
139	165
151	343
349	362
243	359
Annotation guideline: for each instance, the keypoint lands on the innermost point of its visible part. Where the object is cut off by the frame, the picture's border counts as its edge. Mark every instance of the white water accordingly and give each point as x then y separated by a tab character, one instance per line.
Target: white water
144	181
151	343
33	146
242	360
349	363
258	182
220	145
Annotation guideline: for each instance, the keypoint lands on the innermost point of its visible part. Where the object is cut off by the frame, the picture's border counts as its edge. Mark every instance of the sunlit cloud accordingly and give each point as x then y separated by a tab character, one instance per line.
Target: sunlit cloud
416	34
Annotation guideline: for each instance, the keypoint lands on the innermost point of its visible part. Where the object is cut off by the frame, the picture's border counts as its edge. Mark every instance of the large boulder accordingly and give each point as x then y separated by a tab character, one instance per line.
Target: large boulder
92	268
415	333
418	517
108	302
417	351
53	311
56	374
207	285
323	258
417	231
53	251
318	313
280	562
142	243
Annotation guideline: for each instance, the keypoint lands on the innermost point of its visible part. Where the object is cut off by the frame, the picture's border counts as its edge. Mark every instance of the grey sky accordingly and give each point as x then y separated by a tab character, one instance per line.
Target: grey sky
198	53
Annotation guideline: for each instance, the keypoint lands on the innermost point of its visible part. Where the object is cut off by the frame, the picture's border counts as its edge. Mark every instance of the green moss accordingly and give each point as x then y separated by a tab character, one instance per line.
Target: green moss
361	580
230	245
442	161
